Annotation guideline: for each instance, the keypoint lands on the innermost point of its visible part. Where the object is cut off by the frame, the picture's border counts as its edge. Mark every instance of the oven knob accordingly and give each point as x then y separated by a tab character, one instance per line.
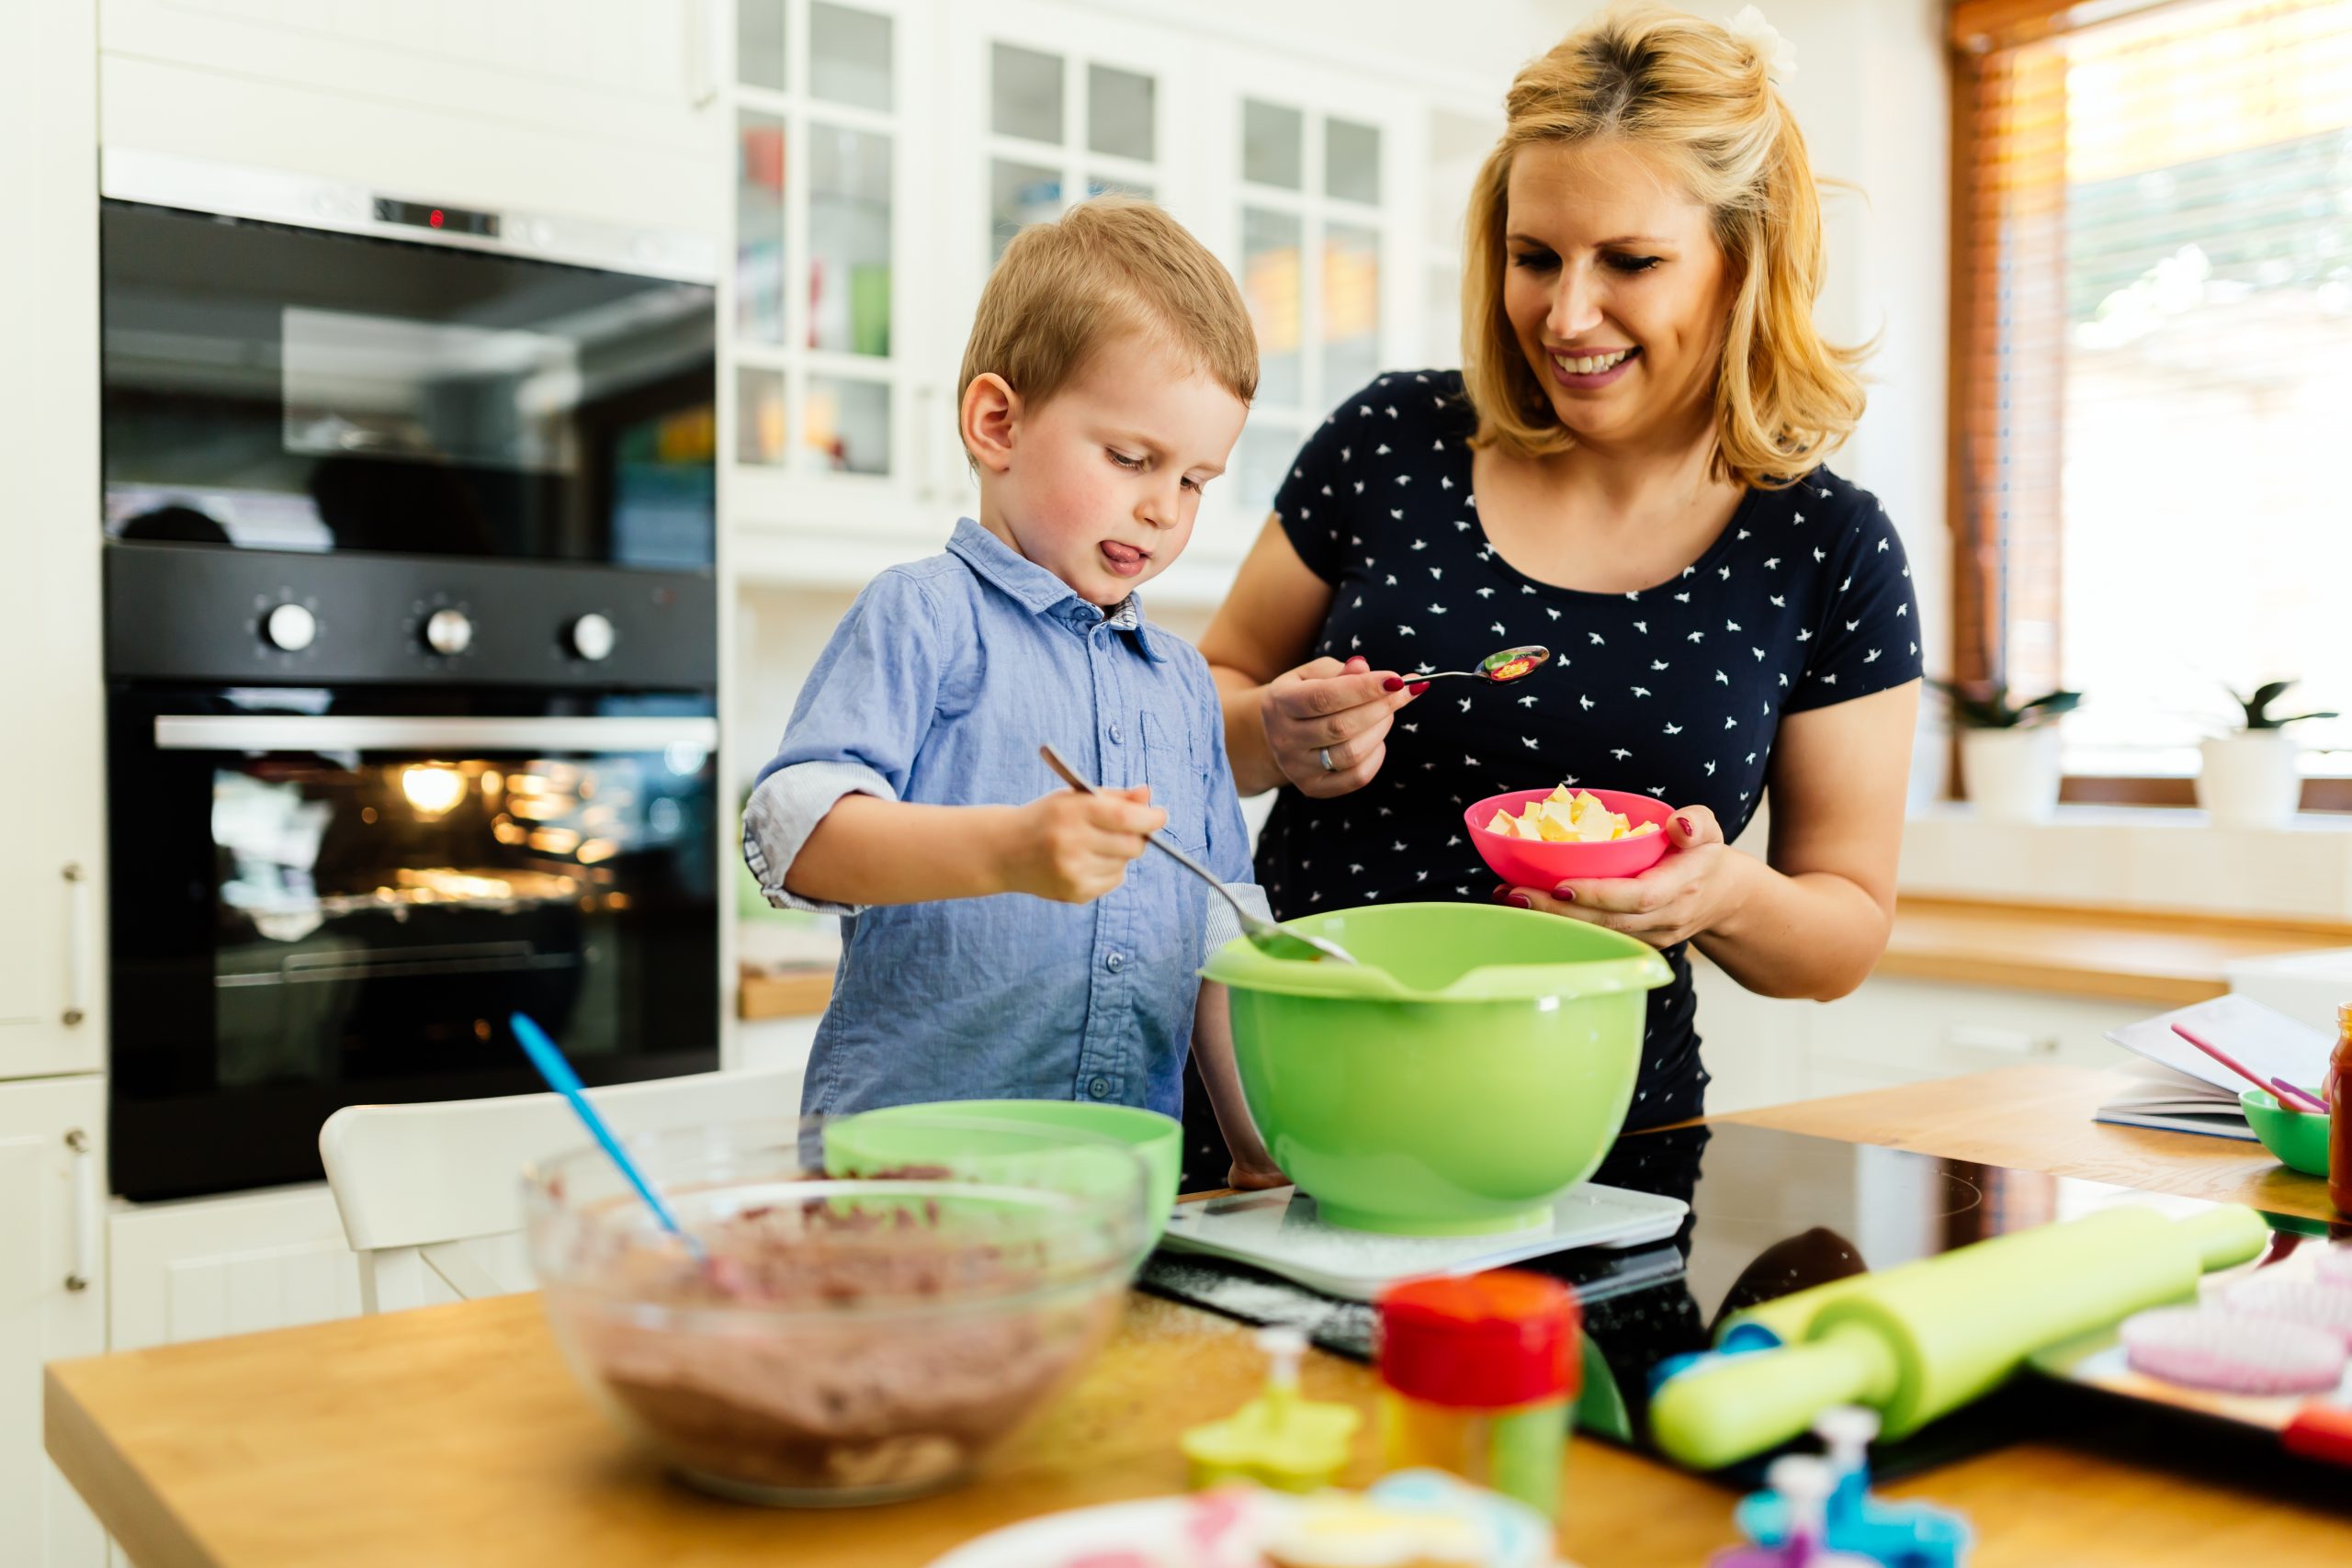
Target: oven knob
448	632
592	637
289	627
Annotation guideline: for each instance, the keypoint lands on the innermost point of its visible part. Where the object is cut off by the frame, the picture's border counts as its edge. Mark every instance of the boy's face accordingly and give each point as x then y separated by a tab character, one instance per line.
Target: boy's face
1100	485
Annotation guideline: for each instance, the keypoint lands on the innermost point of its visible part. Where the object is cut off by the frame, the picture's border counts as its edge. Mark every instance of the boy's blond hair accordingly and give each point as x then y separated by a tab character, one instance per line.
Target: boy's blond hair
1107	266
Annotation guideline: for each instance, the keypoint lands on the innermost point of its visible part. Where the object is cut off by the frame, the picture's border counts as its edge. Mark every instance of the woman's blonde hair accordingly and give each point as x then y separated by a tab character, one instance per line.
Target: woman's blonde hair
1699	98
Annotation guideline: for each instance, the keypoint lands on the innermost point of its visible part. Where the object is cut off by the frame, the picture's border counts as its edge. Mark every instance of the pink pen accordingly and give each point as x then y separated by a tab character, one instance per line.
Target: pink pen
2228	1060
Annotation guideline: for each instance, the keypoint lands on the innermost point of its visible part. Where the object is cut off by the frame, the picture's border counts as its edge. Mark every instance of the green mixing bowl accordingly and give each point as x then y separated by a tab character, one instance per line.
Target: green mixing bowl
1475	1066
917	1134
2298	1138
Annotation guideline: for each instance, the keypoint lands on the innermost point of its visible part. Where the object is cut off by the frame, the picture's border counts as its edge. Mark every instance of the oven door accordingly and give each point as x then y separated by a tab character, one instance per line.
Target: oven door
279	388
315	908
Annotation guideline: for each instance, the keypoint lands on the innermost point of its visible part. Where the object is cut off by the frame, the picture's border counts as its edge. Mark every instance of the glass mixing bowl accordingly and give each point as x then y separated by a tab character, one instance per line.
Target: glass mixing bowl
868	1326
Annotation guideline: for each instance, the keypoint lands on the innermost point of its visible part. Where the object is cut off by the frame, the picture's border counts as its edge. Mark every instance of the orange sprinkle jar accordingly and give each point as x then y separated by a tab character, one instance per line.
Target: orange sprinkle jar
1477	1376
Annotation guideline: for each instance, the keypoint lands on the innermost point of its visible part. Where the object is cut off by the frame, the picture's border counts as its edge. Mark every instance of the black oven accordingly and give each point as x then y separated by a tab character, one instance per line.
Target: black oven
412	660
294	365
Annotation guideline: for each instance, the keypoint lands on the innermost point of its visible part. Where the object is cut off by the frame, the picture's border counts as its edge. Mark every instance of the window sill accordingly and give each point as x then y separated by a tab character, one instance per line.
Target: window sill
2136	857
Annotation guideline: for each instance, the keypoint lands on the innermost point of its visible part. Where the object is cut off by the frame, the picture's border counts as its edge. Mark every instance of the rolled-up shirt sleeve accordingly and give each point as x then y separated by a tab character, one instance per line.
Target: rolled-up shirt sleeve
859	721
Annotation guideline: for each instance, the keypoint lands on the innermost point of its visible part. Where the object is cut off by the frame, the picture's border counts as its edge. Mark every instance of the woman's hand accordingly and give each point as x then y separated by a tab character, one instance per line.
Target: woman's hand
1702	883
1329	708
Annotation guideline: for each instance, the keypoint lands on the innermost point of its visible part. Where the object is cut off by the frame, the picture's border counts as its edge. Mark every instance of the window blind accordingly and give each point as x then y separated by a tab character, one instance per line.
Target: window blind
2151	362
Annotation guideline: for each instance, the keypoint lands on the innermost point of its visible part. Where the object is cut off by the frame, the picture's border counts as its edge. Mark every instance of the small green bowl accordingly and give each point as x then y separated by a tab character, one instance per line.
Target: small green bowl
2297	1137
1158	1140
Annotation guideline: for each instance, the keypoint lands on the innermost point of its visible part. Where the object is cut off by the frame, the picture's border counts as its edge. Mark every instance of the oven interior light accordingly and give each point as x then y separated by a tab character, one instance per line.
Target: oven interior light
432	790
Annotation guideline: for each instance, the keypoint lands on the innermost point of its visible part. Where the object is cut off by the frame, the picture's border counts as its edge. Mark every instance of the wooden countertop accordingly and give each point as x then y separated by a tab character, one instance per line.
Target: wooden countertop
2163	956
453	1436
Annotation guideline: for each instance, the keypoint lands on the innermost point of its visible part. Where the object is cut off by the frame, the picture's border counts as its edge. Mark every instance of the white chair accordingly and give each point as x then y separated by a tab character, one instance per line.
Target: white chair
431	1194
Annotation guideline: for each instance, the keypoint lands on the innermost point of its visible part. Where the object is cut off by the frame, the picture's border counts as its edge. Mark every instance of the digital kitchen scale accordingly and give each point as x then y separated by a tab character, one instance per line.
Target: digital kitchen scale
1280	1231
1768	1214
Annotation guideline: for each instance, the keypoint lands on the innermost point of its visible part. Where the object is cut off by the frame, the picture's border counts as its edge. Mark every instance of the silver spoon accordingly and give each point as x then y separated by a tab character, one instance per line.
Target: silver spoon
1497	669
1275	941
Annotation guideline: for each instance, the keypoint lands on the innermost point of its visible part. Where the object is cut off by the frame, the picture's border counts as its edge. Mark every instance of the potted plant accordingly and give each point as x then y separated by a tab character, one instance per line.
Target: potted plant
2008	751
2248	777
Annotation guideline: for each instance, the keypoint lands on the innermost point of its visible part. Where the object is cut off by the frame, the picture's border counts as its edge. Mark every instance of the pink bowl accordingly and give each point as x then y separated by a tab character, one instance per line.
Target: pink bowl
1524	863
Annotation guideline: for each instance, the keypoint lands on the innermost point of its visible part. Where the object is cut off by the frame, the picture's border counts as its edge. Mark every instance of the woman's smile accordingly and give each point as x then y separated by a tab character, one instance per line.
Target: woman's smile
1585	370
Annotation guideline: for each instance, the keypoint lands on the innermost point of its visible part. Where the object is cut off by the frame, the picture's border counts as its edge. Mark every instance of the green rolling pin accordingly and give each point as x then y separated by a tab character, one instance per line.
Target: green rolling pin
1927	1337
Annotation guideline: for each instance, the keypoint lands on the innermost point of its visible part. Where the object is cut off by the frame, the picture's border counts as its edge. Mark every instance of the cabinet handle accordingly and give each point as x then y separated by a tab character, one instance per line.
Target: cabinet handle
85	1211
924	439
78	955
702	45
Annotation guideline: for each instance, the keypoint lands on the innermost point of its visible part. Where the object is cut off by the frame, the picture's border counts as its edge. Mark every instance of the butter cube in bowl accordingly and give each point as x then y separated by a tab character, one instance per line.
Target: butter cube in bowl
1538	838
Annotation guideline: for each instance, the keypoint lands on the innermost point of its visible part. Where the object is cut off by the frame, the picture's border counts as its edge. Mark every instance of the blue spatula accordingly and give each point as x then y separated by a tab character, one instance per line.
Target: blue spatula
549	1058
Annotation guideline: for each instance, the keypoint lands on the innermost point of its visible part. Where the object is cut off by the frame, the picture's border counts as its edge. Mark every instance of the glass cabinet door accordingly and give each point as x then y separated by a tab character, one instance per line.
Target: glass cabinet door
1063	124
1315	190
820	91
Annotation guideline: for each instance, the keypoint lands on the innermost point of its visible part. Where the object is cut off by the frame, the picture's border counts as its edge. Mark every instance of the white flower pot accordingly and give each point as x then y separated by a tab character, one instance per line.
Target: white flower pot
2250	780
2011	774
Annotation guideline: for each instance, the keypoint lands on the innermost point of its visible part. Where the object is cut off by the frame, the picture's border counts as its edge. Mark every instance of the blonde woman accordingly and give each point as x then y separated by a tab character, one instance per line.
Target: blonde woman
1630	471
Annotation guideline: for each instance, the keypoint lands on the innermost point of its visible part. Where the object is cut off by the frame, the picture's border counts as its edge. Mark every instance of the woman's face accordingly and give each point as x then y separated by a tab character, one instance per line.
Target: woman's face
1616	290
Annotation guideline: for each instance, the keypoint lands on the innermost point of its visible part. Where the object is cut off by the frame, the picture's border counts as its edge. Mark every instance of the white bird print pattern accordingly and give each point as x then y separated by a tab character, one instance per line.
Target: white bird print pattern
1817	599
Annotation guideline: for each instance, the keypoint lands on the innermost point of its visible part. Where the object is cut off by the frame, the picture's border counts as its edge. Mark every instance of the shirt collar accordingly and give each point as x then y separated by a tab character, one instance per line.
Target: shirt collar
1041	592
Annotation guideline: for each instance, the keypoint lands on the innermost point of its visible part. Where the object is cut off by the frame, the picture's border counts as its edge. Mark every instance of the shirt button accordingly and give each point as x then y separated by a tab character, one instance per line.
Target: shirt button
1115	962
1117	739
1099	1088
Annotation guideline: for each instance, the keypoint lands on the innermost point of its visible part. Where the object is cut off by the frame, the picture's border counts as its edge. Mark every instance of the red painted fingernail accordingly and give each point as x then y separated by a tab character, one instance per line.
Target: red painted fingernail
1688	830
1520	899
1501	891
1418	687
1564	893
1392	684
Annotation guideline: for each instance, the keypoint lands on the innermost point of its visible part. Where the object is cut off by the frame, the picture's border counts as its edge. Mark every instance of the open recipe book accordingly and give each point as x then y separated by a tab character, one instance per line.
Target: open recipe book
2185	1090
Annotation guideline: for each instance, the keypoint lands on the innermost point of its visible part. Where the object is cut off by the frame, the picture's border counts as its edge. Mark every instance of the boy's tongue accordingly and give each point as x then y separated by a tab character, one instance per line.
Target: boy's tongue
1124	559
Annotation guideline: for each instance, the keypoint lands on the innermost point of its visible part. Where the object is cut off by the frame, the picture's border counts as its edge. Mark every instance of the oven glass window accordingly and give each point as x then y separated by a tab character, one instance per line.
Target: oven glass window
393	912
301	924
285	388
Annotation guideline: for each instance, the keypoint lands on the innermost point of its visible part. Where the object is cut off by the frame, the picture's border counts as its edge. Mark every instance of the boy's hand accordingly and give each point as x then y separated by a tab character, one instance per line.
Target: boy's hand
1074	847
1248	1176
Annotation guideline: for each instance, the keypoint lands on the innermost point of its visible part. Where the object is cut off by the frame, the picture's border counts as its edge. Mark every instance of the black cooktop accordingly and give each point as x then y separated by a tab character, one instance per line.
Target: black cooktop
1771	1213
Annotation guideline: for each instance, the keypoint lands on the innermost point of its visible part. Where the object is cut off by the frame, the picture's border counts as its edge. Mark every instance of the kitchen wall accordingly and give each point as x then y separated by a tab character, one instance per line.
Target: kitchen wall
1869	94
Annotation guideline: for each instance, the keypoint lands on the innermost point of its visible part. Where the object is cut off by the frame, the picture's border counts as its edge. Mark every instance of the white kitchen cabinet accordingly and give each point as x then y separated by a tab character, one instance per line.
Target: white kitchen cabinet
832	360
52	1302
934	131
1765	1051
202	1267
598	108
52	1015
1318	179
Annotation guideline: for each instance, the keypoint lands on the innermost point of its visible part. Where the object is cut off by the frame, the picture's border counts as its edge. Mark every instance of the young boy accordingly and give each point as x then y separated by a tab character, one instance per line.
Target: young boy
998	941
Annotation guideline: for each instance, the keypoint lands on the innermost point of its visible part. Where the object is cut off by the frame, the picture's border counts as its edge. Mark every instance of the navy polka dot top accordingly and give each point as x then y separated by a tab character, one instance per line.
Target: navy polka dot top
1803	600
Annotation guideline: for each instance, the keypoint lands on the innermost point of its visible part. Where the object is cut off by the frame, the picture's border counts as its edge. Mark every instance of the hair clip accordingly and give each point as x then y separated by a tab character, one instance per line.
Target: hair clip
1779	56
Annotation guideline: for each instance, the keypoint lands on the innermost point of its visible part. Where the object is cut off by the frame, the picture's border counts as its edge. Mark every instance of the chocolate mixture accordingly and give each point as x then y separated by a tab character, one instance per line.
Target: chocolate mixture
901	1343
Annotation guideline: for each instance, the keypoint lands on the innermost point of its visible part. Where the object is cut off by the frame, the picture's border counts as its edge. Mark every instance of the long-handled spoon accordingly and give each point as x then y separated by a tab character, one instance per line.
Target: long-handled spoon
1264	935
550	1059
1495	668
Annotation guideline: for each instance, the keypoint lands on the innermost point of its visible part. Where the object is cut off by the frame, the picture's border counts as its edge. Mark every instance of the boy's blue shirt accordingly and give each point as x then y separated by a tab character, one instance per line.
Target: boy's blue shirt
938	687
